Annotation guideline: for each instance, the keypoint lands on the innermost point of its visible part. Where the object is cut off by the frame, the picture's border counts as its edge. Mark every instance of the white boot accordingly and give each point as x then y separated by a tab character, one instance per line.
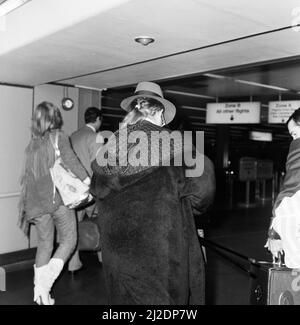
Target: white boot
41	293
47	275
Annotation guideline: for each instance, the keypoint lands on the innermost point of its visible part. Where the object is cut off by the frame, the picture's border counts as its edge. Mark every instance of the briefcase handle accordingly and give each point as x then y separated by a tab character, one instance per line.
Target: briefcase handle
279	260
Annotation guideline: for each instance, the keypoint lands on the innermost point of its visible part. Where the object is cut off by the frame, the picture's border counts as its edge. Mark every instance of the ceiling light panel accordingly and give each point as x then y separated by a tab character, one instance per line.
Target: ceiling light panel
175	92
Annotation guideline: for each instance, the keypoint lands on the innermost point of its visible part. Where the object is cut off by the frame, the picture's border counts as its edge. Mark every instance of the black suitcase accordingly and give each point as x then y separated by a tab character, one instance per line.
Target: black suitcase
274	285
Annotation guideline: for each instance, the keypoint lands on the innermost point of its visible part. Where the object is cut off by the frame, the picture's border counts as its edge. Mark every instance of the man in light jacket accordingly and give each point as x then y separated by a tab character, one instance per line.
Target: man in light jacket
85	143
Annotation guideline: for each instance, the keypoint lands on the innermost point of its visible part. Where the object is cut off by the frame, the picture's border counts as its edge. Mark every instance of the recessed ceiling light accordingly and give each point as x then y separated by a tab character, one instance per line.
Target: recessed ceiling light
144	40
8	6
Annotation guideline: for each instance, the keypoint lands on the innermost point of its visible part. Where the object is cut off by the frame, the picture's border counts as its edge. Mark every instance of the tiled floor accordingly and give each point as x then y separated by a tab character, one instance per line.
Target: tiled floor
241	230
85	288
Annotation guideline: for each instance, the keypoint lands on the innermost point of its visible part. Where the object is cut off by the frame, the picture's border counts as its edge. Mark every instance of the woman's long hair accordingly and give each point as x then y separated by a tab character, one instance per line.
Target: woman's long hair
46	117
40	151
142	108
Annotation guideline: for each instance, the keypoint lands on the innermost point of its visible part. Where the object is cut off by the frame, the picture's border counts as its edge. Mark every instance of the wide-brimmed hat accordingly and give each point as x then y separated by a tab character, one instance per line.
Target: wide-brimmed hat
151	90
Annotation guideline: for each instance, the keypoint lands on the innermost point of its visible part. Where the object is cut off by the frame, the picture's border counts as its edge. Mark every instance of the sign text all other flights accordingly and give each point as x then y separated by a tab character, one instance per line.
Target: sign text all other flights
233	113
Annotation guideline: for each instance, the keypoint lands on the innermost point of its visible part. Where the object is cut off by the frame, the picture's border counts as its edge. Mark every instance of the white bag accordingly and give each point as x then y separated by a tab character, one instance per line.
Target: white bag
71	189
287	224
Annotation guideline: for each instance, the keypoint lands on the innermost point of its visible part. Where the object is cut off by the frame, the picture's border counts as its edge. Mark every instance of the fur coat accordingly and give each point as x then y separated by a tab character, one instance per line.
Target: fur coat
151	254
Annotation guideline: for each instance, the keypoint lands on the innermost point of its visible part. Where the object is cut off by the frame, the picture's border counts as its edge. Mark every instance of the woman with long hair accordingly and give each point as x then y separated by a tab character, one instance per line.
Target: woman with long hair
41	204
150	251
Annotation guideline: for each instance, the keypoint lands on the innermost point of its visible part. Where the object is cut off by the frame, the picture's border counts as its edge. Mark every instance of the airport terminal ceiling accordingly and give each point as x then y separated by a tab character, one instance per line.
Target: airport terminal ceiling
271	81
228	51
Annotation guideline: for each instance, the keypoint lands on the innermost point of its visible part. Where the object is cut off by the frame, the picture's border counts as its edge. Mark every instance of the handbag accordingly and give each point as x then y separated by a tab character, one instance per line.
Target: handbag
88	235
71	189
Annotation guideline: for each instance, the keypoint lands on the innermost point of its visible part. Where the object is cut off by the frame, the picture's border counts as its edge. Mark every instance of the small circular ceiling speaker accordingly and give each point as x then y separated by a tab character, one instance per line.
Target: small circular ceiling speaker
144	40
67	104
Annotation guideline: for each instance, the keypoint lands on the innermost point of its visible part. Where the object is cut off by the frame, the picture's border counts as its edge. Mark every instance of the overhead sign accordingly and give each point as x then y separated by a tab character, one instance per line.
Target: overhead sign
233	113
265	169
279	112
247	169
